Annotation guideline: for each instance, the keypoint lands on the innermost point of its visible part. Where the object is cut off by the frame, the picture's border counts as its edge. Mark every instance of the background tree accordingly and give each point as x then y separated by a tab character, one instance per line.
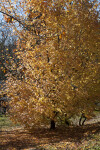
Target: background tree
9	61
7	54
58	46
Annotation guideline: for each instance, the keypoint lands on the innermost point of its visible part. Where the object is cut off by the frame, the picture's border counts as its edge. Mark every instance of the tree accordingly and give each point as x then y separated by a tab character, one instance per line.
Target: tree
9	61
7	54
58	46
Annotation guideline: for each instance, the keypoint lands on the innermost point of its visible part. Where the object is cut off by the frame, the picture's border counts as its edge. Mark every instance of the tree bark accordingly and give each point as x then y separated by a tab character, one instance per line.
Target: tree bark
80	121
66	122
52	127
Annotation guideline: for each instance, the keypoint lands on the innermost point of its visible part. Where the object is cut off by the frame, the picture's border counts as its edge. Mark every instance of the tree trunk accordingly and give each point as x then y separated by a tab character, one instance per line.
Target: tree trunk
81	122
84	121
66	122
52	127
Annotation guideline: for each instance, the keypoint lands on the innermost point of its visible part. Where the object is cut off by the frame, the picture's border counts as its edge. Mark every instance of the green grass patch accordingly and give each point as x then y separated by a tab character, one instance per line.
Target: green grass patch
5	122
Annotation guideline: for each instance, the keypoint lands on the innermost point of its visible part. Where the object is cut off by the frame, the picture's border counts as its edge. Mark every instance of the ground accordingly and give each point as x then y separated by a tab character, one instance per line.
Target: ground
63	138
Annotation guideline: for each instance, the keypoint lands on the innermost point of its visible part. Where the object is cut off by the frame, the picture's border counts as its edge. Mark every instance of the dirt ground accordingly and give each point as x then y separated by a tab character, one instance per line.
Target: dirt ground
44	139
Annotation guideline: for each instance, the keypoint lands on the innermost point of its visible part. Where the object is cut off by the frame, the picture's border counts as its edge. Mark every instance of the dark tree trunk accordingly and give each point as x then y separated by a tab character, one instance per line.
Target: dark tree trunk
66	122
84	121
52	127
81	122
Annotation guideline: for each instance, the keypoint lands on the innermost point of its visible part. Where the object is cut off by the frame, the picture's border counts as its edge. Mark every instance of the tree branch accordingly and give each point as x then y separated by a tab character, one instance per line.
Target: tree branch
12	17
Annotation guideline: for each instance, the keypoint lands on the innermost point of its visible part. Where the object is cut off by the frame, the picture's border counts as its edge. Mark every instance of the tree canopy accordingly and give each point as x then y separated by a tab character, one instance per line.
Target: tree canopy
58	46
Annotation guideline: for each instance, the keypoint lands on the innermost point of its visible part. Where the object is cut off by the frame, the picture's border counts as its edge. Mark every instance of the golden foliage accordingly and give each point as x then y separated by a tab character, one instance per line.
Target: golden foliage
60	52
8	19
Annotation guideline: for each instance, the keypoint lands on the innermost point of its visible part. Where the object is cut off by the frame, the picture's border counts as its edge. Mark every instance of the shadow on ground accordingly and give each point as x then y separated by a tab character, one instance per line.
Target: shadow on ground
22	139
